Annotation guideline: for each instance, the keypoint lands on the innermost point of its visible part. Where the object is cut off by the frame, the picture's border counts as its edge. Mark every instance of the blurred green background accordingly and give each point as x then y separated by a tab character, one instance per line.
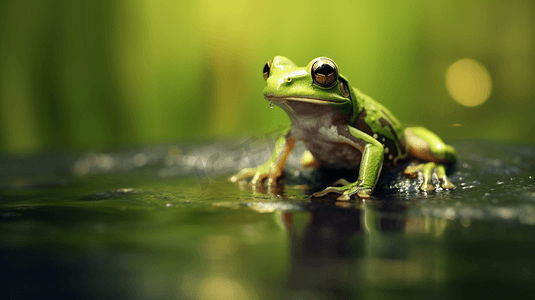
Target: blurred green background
100	73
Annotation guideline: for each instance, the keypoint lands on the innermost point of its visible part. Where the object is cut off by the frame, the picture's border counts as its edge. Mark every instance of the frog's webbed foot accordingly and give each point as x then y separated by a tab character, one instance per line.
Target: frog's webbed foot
347	190
427	169
259	175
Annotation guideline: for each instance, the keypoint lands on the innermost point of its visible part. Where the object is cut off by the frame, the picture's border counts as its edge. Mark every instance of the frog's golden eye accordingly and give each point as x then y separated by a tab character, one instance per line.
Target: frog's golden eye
267	68
324	72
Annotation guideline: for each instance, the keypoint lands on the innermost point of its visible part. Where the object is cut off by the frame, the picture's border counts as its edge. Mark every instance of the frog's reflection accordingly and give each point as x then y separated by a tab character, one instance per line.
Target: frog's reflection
338	241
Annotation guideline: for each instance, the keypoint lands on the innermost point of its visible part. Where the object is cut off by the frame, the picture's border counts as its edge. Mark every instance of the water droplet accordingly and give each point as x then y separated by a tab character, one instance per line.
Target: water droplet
270	104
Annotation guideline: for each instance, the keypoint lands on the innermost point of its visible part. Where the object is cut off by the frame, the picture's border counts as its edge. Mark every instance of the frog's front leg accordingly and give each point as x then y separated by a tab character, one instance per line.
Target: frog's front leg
370	166
273	168
426	146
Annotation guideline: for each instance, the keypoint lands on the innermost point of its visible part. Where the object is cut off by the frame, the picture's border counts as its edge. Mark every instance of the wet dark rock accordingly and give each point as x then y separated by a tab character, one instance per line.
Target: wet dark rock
172	222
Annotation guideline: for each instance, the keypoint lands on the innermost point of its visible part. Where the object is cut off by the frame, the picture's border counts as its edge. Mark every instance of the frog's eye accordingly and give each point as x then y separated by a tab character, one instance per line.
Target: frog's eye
324	72
267	68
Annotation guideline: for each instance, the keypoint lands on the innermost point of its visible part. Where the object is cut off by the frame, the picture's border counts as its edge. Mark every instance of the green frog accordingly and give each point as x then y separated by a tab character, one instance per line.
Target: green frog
343	128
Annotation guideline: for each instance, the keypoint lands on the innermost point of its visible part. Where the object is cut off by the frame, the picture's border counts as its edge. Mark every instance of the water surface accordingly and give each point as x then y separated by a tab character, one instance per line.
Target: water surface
163	223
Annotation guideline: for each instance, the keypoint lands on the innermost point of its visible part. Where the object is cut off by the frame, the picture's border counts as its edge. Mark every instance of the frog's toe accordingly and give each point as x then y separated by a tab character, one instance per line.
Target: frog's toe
360	192
347	191
334	189
342	182
341	186
444	180
273	180
364	193
258	180
243	174
446	183
427	171
427	186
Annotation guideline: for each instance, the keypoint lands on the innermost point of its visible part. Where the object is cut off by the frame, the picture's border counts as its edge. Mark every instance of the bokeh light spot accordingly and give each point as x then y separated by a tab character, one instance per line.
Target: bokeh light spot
468	82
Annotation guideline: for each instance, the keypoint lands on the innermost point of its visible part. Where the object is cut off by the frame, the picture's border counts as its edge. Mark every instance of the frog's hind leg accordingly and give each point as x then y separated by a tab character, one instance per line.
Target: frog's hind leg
427	147
427	169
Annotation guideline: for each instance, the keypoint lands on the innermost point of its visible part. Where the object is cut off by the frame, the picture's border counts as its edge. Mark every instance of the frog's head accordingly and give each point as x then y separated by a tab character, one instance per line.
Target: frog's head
319	83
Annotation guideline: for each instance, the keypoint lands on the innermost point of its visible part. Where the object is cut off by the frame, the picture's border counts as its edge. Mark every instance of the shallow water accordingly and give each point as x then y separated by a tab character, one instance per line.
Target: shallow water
163	223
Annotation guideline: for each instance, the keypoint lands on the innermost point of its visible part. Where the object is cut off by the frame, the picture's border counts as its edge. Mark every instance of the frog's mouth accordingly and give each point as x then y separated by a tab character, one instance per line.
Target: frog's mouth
300	99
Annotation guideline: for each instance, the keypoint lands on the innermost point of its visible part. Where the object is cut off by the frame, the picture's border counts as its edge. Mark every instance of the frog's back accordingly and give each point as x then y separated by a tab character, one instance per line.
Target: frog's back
377	121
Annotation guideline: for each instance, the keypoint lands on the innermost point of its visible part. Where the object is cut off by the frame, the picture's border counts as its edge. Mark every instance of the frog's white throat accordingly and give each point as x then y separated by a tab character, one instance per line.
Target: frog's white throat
300	109
308	114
